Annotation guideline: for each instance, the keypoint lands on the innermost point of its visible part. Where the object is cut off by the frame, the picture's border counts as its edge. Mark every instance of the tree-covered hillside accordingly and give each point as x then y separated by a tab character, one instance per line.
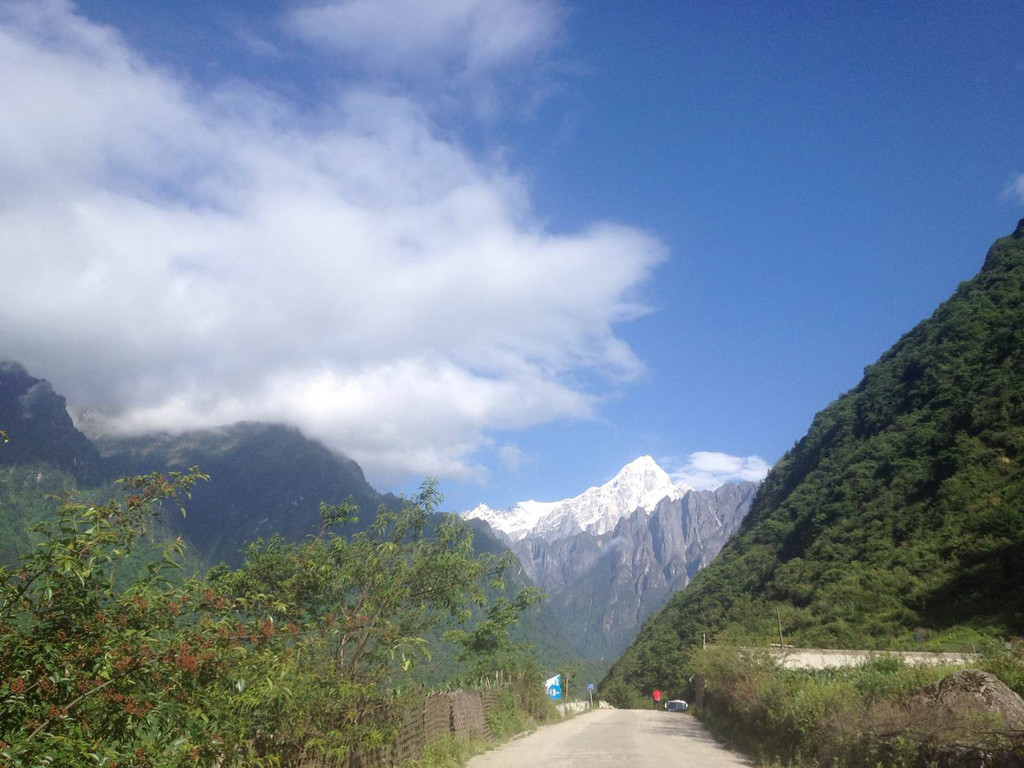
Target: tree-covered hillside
898	519
265	479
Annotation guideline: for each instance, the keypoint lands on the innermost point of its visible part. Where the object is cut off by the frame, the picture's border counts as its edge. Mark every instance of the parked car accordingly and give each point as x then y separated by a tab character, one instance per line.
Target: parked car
676	705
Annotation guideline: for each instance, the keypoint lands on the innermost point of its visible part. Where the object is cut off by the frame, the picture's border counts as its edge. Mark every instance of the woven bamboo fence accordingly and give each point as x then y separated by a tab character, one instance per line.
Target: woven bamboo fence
424	718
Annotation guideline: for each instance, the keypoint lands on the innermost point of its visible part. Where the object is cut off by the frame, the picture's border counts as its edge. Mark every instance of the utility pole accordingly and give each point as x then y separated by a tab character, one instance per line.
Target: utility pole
778	614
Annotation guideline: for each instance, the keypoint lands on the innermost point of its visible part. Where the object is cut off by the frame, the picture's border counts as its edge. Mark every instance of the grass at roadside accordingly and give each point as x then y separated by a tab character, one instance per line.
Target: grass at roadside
859	716
450	752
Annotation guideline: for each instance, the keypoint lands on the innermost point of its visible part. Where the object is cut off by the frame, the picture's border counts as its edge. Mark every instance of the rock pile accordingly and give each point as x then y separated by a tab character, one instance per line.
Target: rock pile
970	719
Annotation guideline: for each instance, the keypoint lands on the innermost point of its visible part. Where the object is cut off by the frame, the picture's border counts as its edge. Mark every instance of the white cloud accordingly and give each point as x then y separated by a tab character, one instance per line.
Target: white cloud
512	457
1016	188
708	470
462	37
175	256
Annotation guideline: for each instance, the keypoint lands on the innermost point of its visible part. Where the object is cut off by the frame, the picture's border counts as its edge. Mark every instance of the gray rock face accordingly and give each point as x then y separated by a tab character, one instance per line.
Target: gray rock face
604	586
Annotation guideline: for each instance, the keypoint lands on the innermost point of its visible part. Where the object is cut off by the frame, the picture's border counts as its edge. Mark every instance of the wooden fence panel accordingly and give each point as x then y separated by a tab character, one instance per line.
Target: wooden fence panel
468	714
437	716
411	733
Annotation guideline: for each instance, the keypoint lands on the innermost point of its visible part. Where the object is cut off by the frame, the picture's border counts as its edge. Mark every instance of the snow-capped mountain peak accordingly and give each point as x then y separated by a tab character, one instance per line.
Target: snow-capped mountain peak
639	484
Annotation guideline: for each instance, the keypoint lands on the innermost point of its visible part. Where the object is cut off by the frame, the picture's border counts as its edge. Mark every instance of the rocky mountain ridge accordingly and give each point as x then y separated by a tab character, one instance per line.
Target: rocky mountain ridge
604	586
38	426
266	479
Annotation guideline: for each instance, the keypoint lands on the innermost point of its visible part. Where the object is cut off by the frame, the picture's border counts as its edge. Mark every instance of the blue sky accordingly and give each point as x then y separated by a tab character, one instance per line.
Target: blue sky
513	244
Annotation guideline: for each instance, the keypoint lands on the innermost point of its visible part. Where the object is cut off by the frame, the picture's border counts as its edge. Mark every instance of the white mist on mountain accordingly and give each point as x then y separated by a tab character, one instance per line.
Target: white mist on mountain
641	484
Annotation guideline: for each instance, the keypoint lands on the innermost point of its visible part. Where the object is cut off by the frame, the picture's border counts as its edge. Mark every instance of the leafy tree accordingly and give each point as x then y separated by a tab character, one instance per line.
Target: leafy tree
488	648
92	673
358	608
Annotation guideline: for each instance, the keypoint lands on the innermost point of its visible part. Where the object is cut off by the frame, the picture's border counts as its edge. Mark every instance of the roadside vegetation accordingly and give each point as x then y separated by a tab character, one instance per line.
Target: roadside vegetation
449	752
110	656
871	715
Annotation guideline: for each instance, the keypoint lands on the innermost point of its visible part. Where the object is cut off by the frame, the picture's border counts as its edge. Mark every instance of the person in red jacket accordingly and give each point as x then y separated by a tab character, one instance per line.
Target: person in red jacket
657	697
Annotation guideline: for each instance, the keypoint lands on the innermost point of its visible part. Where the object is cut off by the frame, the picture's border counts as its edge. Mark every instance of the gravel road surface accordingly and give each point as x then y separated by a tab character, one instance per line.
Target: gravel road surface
615	737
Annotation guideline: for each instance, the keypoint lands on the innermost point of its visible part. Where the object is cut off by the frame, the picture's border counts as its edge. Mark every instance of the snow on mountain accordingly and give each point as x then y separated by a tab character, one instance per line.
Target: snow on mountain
639	484
516	521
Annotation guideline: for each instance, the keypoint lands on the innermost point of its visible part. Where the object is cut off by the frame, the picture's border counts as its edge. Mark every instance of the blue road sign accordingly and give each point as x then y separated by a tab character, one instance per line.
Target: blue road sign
554	686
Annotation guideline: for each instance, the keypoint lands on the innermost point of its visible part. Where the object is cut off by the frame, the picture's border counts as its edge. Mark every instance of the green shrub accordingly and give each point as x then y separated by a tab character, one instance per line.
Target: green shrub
94	671
1005	660
858	716
622	696
506	721
449	752
532	698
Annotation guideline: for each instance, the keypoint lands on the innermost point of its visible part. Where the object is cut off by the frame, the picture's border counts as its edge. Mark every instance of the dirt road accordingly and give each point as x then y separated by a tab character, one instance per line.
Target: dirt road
615	737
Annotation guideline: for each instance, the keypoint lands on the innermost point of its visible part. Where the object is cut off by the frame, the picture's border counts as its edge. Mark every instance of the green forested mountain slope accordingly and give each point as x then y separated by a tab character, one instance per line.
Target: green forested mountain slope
898	519
264	479
26	492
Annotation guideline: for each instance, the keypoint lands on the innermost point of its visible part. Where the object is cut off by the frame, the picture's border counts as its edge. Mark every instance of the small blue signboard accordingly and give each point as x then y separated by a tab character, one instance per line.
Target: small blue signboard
590	686
554	686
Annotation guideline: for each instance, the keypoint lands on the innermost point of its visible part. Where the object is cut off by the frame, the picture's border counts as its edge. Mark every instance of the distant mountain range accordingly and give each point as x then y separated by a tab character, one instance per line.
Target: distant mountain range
266	478
897	520
614	554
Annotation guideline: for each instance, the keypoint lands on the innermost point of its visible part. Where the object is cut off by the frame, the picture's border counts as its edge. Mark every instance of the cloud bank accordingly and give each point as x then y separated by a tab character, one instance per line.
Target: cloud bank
708	470
178	255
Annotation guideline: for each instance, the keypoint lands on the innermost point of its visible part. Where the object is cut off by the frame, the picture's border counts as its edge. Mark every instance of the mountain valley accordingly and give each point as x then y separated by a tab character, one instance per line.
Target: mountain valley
897	520
608	557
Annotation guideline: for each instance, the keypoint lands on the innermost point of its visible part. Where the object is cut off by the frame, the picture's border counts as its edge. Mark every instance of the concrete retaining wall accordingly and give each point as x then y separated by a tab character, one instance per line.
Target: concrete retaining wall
818	658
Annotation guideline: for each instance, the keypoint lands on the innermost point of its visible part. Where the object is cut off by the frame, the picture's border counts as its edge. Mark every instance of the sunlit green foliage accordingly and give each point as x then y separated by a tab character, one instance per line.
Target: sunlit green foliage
449	752
488	647
95	673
